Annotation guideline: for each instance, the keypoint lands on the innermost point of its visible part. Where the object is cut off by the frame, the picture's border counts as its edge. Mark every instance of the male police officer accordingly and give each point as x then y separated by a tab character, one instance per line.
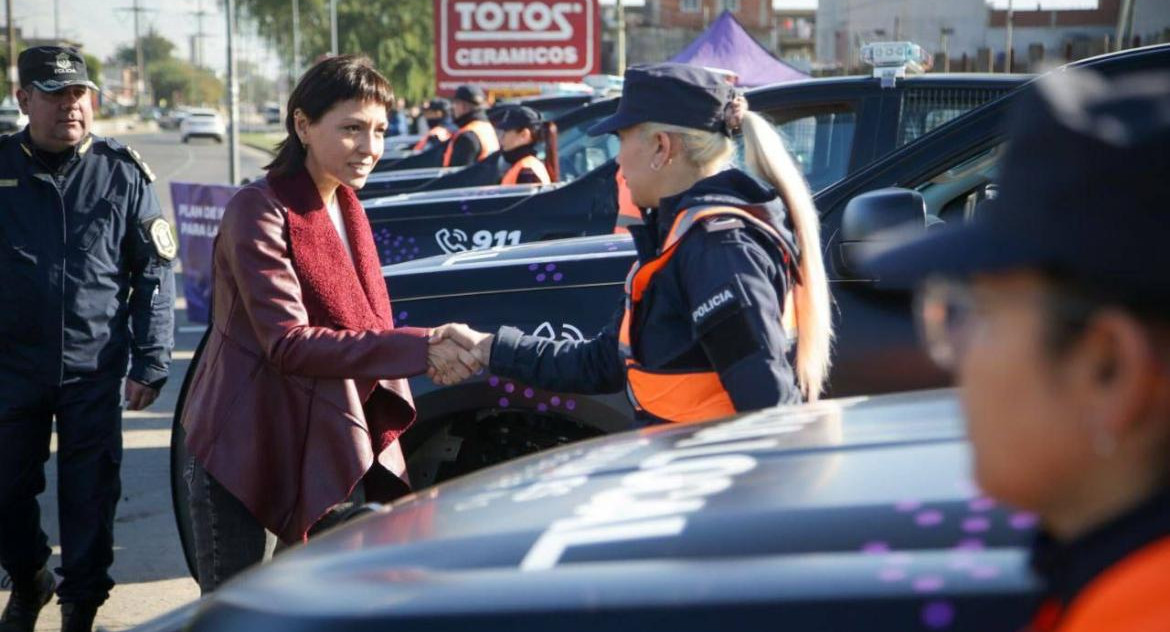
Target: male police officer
475	139
85	288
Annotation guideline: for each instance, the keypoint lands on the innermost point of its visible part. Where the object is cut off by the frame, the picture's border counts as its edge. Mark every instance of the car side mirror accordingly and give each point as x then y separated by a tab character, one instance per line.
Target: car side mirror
876	219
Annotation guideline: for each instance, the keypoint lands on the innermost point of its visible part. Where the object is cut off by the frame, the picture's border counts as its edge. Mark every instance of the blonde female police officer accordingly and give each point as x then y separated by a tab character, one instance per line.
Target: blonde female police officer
1053	308
728	275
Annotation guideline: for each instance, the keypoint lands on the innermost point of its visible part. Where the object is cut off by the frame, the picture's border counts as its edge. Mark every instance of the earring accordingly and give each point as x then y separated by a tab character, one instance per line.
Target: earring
654	167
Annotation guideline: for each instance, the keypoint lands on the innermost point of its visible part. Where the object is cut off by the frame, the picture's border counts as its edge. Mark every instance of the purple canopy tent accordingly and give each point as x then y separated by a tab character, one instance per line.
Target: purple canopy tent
728	46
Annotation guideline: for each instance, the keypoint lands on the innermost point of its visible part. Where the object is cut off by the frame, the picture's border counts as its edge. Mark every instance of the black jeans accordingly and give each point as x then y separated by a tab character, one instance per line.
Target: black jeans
88	411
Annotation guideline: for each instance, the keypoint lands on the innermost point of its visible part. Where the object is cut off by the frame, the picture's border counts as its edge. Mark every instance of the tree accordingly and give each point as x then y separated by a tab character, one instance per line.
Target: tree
94	67
398	35
179	82
155	47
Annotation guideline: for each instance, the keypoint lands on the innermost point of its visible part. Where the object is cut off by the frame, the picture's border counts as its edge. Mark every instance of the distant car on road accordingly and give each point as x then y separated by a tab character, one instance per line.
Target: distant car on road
203	123
272	115
12	119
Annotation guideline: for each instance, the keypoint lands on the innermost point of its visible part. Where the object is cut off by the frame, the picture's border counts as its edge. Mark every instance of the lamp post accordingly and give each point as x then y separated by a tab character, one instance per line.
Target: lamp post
333	26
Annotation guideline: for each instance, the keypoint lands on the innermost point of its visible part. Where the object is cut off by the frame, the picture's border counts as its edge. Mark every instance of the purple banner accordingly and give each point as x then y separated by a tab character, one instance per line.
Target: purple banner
198	209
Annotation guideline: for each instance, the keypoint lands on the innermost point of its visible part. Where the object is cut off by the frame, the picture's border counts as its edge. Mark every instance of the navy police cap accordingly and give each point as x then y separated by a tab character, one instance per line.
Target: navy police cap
1082	192
671	93
438	104
471	94
52	68
513	117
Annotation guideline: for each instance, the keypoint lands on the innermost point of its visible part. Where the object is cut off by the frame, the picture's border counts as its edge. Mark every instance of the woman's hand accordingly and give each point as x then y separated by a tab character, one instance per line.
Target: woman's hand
456	353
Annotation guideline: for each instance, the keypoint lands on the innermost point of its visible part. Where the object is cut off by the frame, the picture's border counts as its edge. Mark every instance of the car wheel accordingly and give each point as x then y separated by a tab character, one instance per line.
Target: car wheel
179	457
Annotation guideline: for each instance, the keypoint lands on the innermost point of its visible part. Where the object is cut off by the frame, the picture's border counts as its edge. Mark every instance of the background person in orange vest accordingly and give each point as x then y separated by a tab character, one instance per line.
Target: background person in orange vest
475	138
521	129
440	127
725	261
1053	309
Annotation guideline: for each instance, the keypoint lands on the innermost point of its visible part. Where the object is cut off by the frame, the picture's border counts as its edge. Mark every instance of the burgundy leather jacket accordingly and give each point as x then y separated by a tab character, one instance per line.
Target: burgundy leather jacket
279	410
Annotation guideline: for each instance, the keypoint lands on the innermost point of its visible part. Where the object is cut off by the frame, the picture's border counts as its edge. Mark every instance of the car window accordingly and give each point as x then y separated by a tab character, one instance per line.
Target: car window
579	153
820	139
954	193
924	109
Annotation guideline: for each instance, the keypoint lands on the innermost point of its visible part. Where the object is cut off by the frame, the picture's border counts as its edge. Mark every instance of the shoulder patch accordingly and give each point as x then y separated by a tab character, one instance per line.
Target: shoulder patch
719	304
717	224
162	235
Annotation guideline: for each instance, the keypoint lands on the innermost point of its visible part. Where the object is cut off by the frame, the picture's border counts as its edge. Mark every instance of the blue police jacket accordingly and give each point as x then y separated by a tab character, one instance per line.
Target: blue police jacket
86	285
743	339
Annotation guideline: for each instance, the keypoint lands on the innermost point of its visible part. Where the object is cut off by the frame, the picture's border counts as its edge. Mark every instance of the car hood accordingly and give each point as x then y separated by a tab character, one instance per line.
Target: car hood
866	496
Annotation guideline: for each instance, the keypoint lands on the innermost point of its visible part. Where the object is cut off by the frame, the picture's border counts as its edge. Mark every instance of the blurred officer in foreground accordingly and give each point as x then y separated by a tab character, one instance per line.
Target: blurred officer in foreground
85	288
521	130
1053	309
475	138
729	289
437	113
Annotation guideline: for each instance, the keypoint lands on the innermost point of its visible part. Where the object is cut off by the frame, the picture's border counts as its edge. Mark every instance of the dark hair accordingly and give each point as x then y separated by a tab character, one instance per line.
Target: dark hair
329	82
1071	304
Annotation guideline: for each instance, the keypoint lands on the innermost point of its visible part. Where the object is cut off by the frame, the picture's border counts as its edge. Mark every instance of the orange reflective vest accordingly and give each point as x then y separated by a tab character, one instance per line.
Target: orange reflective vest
628	212
527	162
683	396
439	132
1131	596
488	143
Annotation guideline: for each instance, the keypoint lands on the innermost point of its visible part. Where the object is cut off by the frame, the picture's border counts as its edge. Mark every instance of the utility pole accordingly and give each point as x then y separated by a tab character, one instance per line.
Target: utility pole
57	20
296	17
333	26
621	38
200	34
1010	52
140	93
13	79
233	97
1124	24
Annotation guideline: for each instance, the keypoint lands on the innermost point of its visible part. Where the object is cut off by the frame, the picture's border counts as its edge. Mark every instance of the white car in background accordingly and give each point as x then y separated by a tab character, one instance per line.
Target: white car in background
203	123
12	119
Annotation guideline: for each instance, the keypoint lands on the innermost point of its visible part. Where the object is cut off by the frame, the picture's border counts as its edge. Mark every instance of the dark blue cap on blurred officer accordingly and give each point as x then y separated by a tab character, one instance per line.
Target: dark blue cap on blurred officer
1082	193
671	93
53	68
512	117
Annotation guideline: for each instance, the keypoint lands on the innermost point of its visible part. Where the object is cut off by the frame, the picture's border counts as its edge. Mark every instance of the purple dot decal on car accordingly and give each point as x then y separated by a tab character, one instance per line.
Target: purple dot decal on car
540	277
1023	521
875	548
558	276
494	381
550	267
938	615
403	315
504	402
554	400
529	393
891	575
571	404
410	239
970	544
982	504
976	524
509	387
542	407
928	518
533	267
928	583
907	506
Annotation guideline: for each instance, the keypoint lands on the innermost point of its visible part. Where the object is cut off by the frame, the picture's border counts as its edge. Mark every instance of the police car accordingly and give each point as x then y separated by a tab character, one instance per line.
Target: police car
834	126
849	515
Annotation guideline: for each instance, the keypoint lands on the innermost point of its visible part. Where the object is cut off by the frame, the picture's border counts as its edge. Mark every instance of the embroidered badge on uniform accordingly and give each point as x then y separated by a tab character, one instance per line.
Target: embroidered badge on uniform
723	302
163	238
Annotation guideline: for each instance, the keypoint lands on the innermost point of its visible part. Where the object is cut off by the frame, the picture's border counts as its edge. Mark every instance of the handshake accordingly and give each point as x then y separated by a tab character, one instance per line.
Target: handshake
456	353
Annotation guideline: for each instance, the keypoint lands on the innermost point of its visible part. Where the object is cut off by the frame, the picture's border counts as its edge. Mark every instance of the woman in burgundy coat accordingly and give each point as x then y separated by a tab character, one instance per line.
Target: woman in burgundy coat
300	395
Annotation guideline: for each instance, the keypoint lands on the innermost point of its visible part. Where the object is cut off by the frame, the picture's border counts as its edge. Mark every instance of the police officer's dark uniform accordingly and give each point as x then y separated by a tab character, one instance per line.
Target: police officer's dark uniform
704	301
86	288
475	139
521	164
1082	195
440	125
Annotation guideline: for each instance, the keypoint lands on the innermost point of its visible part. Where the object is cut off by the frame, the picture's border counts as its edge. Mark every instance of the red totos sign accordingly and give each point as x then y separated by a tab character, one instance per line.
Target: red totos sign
515	43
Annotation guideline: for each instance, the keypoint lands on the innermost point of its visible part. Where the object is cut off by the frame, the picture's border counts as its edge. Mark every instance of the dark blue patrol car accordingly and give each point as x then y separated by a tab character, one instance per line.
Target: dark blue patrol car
847	515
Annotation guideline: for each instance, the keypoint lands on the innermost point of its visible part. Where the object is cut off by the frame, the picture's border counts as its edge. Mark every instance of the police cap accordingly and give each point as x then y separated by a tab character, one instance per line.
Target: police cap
671	93
471	94
511	117
53	68
1082	192
438	104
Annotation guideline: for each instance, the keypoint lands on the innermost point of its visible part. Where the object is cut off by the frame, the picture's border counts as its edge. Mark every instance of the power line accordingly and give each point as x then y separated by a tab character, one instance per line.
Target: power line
140	92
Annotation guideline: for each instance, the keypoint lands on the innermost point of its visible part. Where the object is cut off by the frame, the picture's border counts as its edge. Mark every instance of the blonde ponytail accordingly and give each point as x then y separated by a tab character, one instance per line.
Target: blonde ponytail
765	154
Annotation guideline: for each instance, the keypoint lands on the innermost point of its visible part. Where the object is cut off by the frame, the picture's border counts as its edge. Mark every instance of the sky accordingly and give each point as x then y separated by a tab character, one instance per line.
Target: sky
103	25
